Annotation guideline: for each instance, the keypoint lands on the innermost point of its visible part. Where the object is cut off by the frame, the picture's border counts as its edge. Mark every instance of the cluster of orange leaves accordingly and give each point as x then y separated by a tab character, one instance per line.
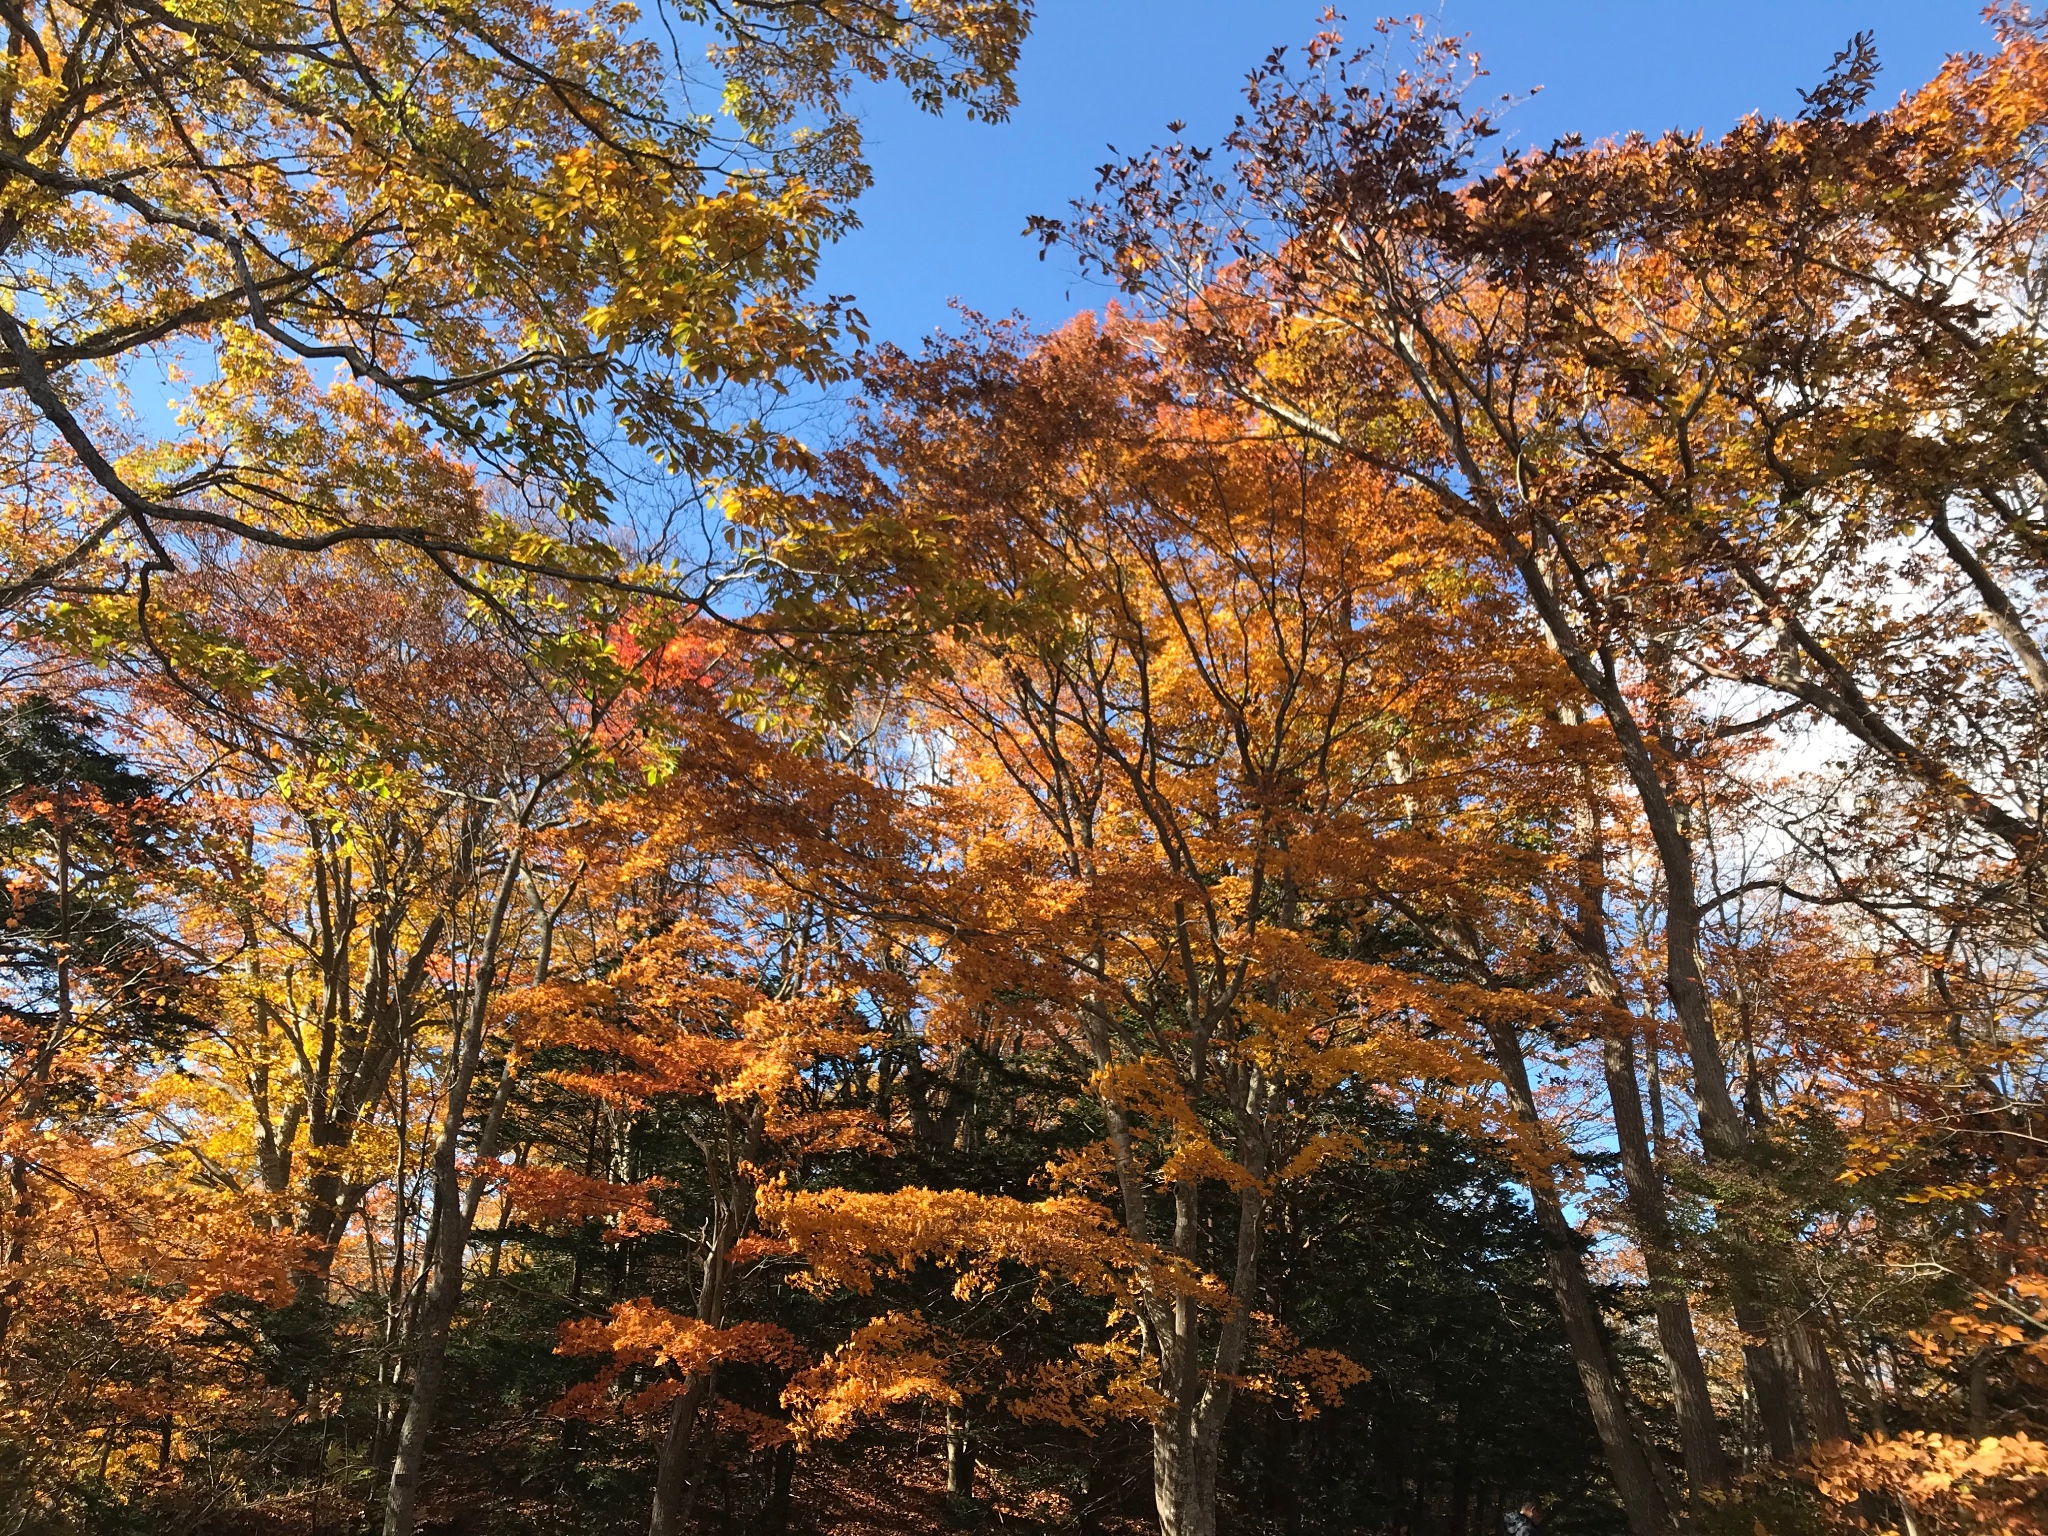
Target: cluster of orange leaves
1997	1483
639	1336
849	1237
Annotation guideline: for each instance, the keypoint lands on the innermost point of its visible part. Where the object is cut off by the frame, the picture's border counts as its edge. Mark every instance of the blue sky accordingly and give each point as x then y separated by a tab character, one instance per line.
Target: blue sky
951	197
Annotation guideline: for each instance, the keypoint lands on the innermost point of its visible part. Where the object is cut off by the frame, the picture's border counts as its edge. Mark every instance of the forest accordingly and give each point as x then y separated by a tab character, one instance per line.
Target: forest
1395	883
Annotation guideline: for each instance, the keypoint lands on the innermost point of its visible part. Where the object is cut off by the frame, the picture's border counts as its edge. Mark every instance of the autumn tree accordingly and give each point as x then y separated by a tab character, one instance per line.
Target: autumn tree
124	1289
395	250
1194	710
713	1017
1729	411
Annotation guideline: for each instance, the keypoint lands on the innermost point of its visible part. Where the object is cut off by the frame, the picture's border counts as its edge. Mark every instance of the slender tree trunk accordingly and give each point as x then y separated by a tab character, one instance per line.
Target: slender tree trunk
733	1203
1724	1135
36	1095
775	1520
1187	1446
671	1495
444	1293
1628	1460
20	1203
959	1457
1706	1468
1827	1418
1177	1462
1181	1514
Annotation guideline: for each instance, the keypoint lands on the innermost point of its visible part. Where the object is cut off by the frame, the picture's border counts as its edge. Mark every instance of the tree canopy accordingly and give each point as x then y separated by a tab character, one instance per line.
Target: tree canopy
1398	879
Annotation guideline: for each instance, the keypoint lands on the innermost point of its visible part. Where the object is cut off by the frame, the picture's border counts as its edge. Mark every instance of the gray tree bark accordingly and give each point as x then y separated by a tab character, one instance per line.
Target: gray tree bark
457	1211
1628	1459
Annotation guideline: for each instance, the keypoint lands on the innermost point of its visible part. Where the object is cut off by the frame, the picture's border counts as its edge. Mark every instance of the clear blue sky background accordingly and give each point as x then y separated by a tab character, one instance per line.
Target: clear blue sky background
950	197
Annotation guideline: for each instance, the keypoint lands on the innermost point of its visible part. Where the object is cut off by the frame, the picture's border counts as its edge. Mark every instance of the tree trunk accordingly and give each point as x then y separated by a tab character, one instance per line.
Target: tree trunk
775	1520
1180	1371
456	1210
733	1204
1826	1417
1187	1440
1706	1467
35	1096
1768	1387
959	1457
671	1493
1184	1498
1628	1460
1724	1134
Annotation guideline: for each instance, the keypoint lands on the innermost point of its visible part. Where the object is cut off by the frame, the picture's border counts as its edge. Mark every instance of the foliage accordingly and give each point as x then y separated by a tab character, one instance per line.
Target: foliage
1401	876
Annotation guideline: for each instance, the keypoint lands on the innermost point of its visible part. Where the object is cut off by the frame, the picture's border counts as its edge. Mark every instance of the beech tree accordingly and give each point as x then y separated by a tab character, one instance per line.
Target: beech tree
1225	731
395	249
1619	366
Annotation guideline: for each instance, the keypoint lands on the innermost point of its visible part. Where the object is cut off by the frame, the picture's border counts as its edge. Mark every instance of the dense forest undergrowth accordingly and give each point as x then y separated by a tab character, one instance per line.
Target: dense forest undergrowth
1400	878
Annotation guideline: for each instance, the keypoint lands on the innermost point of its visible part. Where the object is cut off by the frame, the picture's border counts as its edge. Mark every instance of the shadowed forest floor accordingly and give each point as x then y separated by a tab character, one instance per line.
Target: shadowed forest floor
842	1491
